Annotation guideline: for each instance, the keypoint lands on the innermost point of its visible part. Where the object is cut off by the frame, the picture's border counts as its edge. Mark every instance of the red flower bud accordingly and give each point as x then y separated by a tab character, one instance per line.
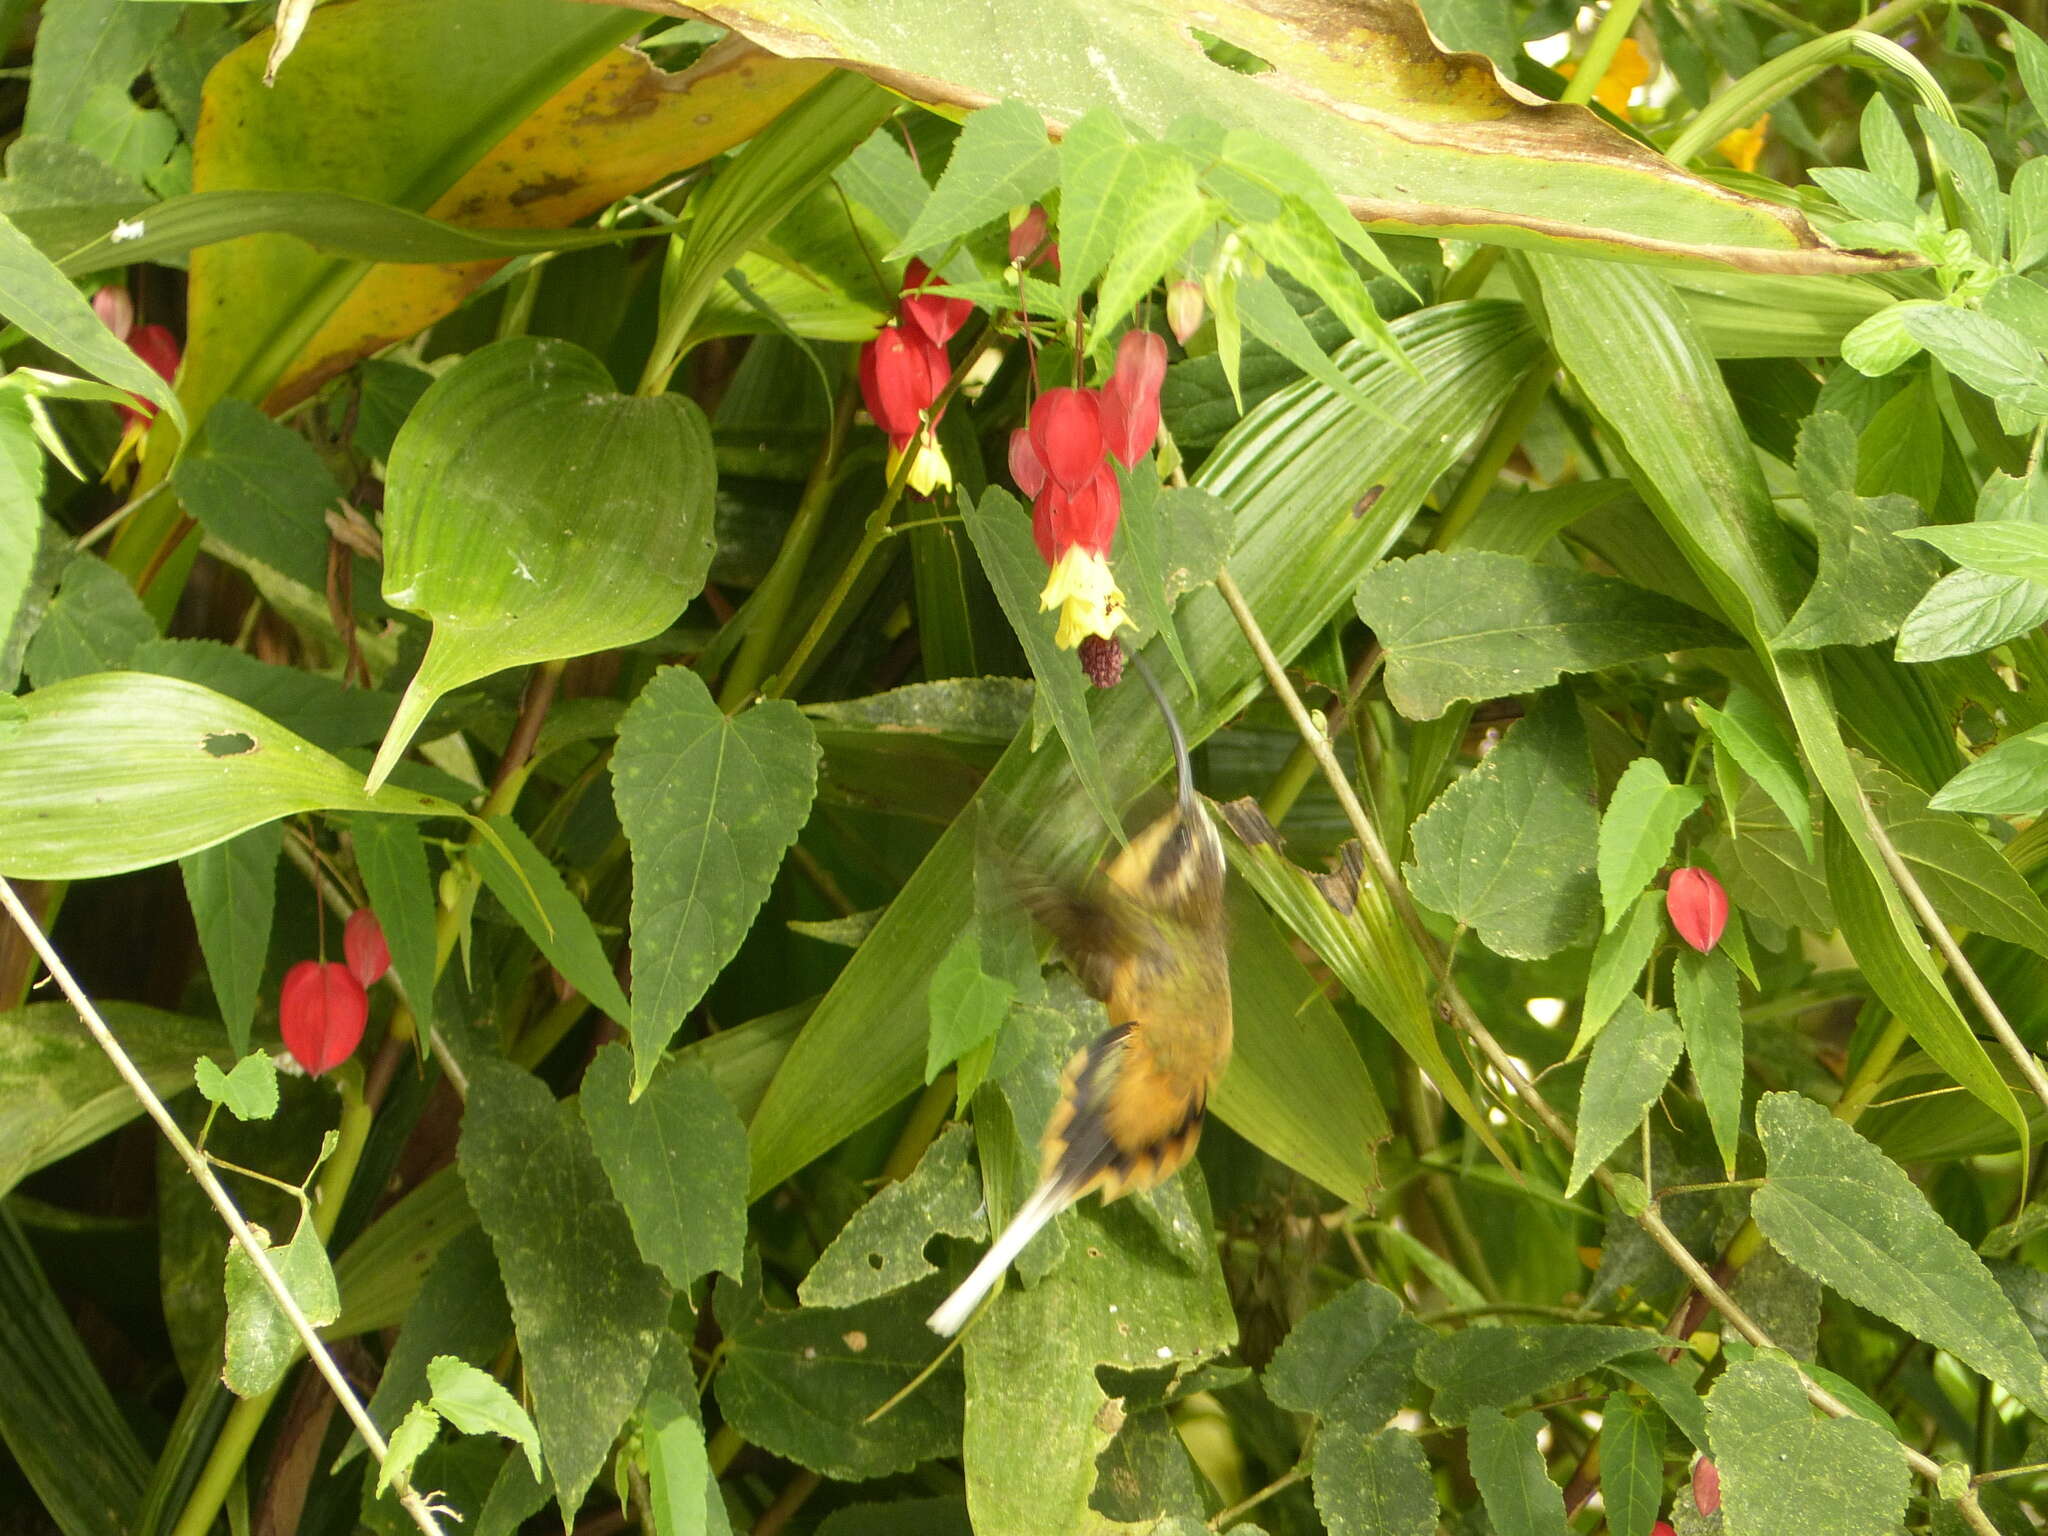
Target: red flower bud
1024	466
1706	1486
1184	307
1698	907
894	379
1662	1528
156	346
1140	365
1129	429
1027	239
321	1012
925	307
115	309
362	940
1066	434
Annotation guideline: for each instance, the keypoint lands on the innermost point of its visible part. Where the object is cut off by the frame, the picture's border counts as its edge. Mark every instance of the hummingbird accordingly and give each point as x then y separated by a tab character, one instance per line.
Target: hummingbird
1146	937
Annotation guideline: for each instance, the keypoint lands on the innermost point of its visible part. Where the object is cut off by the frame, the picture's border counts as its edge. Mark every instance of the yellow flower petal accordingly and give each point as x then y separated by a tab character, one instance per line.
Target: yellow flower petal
1628	73
1745	146
1089	600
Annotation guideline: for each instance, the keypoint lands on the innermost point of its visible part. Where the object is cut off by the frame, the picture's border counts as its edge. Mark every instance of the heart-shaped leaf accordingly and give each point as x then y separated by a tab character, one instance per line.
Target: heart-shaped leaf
534	513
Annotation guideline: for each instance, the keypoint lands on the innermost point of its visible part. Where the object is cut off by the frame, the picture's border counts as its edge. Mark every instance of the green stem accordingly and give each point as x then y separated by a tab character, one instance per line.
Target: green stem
1600	52
770	606
1300	766
1502	439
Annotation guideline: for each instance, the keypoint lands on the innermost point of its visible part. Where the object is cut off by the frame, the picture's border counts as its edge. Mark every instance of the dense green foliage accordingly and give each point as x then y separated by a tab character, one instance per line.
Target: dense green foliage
492	465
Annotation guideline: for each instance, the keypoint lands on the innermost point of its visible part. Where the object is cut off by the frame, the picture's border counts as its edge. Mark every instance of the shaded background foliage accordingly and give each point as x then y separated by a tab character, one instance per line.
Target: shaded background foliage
1655	488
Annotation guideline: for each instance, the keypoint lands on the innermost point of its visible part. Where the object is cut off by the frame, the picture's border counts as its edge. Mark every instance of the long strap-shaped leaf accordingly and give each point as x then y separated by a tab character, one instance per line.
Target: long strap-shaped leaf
1292	472
1628	342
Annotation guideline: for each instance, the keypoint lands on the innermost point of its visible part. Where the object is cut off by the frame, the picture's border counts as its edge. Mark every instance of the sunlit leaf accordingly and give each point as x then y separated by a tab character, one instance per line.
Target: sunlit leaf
1643	816
261	1342
476	1403
249	1092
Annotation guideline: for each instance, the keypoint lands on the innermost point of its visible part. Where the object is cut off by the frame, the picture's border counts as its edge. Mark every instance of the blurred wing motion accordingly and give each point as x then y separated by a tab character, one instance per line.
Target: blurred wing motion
1148	940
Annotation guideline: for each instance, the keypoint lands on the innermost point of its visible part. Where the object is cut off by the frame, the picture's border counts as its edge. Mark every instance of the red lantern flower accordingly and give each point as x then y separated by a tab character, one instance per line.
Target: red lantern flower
362	940
321	1012
156	346
1706	1486
1130	400
1698	907
1184	309
894	382
1066	434
925	307
1024	466
1662	1528
1028	245
115	309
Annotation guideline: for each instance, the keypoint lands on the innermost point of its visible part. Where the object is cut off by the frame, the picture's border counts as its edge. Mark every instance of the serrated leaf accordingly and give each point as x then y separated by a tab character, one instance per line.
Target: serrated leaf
1100	172
967	1005
1478	624
93	623
1968	611
122	770
1349	1361
263	491
1869	579
1618	961
1748	731
1985	353
1374	1486
1631	1062
533	513
2004	548
249	1092
1156	224
1481	1369
1971	883
588	1310
476	1403
261	1342
1631	1464
1513	1480
1001	160
231	888
460	1310
1001	530
2009	780
1642	818
1785	1469
681	1488
881	1248
392	859
709	804
420	1427
1847	1215
1520	822
801	1383
528	886
676	1158
1703	989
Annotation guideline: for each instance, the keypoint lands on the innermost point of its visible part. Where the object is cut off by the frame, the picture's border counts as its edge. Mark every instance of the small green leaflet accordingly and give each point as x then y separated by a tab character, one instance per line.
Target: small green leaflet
1709	1011
1618	961
1001	160
1512	1478
1997	549
1349	1362
418	1430
967	1005
1748	731
1785	1469
476	1403
261	1342
1643	817
231	888
1478	624
1631	1464
249	1092
1374	1487
1631	1062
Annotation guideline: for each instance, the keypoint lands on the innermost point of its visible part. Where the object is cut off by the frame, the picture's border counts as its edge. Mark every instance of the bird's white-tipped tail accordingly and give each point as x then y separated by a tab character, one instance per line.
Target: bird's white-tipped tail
954	1311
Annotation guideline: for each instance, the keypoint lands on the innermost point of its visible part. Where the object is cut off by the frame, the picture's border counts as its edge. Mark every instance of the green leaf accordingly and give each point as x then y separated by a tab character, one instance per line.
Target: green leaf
1636	832
588	1311
1985	353
1520	1497
1349	1361
1618	961
94	623
1971	883
1631	1464
46	304
1847	1215
1783	1469
261	1343
709	805
1001	161
1480	1369
476	1403
1766	870
420	1427
1156	223
2006	548
1869	580
533	513
881	1248
392	860
2029	211
262	490
968	1006
1001	530
677	1161
460	1310
678	1470
1100	172
318	708
58	1090
1967	611
1703	989
1377	1486
529	887
1520	822
1747	729
21	497
1477	624
121	770
802	1383
2009	780
1145	533
249	1092
1880	342
1631	1062
232	888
